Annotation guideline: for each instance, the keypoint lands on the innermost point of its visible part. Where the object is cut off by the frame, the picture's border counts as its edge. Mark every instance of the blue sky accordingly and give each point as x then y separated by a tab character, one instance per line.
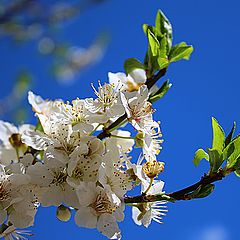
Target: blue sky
207	85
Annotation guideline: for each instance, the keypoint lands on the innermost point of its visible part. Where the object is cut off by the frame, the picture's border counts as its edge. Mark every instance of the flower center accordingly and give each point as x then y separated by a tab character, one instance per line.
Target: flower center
102	204
59	177
4	193
153	168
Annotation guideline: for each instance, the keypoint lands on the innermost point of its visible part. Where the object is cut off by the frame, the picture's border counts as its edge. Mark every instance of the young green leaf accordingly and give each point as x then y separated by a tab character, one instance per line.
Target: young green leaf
162	56
153	43
218	135
215	159
164	27
160	92
230	135
199	155
234	153
180	51
132	64
203	191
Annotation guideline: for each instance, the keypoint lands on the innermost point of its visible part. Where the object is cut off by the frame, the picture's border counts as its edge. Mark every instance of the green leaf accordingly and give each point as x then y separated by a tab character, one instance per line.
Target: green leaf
153	43
203	191
230	135
145	28
132	64
164	27
199	155
162	56
160	92
215	159
180	51
233	151
218	135
237	172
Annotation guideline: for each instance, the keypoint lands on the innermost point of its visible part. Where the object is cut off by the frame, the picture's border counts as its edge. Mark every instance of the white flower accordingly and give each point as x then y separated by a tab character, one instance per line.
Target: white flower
17	200
51	177
85	161
114	180
131	82
107	105
97	210
43	107
152	142
11	146
58	134
11	233
139	110
144	213
76	114
124	144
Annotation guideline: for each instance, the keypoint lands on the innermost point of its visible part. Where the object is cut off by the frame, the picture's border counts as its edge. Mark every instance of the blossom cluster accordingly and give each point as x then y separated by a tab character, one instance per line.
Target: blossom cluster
63	162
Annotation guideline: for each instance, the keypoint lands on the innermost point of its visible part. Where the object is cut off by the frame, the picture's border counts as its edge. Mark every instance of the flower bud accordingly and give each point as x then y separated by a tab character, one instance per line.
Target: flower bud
63	213
153	168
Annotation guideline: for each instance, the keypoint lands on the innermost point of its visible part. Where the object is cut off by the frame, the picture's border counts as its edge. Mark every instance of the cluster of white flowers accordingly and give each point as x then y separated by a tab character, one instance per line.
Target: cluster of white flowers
63	163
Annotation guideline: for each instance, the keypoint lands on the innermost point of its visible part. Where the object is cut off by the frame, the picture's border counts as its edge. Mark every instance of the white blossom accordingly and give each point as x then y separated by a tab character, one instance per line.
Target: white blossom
139	110
97	210
108	103
12	233
11	146
85	161
144	213
51	177
131	82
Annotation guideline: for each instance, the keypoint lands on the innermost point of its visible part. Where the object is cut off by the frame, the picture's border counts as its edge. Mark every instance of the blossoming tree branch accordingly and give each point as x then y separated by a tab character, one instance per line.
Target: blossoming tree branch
79	157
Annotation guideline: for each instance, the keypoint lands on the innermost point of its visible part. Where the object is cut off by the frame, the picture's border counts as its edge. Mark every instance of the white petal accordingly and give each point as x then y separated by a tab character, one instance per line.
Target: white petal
19	179
20	220
35	139
39	174
84	217
157	188
7	156
139	76
36	101
135	214
147	218
86	193
108	226
3	216
70	197
25	127
52	197
6	130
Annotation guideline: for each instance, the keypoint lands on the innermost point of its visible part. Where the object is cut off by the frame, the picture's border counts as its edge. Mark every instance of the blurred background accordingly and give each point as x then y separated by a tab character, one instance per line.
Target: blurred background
57	48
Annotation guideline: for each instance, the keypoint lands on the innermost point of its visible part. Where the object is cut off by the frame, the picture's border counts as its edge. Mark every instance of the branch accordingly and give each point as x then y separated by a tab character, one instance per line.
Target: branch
14	9
183	194
150	82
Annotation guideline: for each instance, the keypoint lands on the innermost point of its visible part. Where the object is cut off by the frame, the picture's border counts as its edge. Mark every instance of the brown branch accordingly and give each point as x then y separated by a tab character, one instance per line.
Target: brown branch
182	194
150	82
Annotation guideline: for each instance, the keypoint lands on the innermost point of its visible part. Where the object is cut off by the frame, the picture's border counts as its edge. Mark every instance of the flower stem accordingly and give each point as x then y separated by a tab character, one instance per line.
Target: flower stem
150	185
95	129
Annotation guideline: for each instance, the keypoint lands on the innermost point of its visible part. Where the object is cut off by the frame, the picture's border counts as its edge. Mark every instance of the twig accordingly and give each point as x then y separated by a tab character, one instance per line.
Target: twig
181	194
150	82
